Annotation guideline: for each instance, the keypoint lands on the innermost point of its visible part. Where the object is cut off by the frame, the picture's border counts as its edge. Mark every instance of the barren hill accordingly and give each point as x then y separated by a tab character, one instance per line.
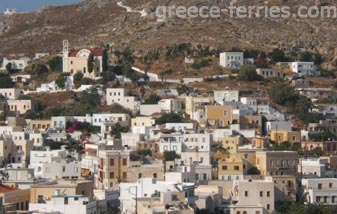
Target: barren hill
105	22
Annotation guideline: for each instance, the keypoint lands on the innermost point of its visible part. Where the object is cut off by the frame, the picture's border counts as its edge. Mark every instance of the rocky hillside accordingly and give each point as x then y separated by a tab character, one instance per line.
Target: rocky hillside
96	22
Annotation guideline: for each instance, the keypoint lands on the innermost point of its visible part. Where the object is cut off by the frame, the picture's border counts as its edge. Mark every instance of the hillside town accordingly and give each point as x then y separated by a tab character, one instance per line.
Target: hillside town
106	136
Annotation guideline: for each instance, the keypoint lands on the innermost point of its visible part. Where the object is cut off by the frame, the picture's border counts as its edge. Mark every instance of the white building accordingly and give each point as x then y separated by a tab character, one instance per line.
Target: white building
320	190
326	109
278	126
312	167
147	188
10	11
101	118
40	56
170	105
171	143
180	126
48	156
54	164
65	169
231	59
303	68
130	140
65	204
269	73
37	138
251	102
222	96
121	96
198	142
11	93
17	64
252	196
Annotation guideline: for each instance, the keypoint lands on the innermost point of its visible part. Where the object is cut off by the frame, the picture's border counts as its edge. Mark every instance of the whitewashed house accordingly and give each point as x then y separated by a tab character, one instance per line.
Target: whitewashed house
231	59
17	64
222	96
303	68
320	190
65	204
121	96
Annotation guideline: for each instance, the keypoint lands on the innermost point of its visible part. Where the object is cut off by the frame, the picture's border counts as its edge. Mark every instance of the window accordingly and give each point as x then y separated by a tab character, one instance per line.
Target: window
224	167
244	212
65	200
246	193
257	212
124	175
40	199
318	199
139	175
75	198
112	175
63	168
125	161
112	162
333	199
268	194
268	207
319	186
155	175
330	185
325	199
236	168
261	193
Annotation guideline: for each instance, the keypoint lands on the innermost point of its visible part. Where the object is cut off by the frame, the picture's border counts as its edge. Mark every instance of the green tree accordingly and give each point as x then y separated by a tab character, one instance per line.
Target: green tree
108	76
6	81
170	155
39	69
253	171
9	67
277	55
169	118
87	81
117	129
145	152
61	80
153	99
306	56
248	73
55	63
281	92
302	107
105	60
91	63
118	109
77	79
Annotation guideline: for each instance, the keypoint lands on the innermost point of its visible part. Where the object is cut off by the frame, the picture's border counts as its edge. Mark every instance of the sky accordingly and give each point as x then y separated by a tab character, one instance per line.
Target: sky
31	5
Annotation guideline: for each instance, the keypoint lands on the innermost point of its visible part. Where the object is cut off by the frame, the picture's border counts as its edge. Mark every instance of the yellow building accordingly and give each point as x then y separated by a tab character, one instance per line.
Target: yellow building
277	162
143	121
21	106
231	143
282	136
13	198
192	103
113	169
220	116
76	61
260	142
138	170
41	125
233	164
44	192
